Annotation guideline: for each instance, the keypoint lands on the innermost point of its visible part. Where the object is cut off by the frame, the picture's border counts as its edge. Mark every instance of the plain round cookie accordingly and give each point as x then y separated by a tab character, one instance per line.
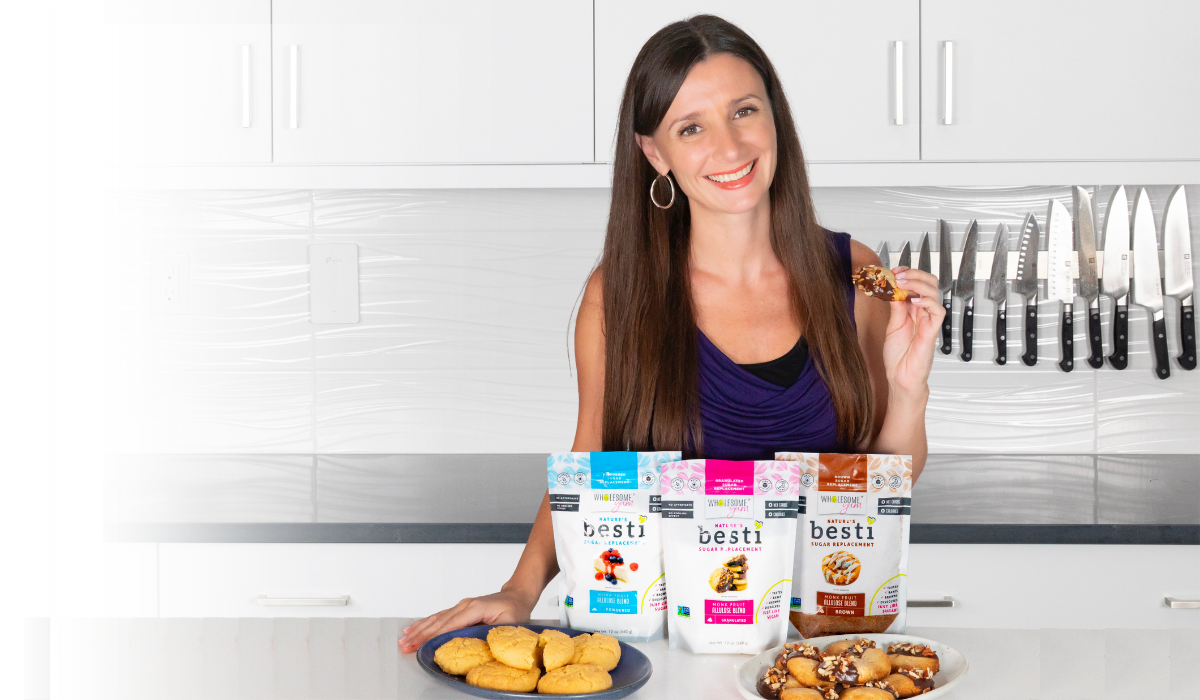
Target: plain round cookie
859	692
496	676
575	678
462	654
546	635
801	694
558	653
599	649
515	646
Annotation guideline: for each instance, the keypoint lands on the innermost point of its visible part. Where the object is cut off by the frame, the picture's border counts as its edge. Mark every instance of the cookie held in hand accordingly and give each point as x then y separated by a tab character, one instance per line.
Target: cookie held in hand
879	282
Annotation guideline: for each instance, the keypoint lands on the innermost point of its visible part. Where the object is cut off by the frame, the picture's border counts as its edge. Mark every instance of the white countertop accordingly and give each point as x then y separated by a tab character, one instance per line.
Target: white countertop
358	658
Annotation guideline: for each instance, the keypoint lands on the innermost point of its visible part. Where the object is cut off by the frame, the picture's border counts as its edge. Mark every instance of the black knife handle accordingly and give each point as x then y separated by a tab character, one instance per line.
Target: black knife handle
1119	359
968	327
1067	363
1187	336
1030	356
947	325
1096	359
1162	367
1001	335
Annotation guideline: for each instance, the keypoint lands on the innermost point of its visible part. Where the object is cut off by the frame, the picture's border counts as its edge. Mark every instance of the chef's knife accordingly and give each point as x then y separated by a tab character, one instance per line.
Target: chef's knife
1177	272
905	256
998	291
885	258
1147	281
1089	288
945	282
1116	274
1026	284
1060	281
923	262
964	288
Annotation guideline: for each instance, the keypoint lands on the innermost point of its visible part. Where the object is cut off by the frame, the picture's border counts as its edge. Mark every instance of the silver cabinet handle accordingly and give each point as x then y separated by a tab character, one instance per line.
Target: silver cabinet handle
294	84
339	600
945	602
898	101
947	82
245	86
1182	604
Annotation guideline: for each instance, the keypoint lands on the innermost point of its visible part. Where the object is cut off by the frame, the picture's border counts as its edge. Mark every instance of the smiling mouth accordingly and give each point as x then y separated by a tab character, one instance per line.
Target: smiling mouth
735	175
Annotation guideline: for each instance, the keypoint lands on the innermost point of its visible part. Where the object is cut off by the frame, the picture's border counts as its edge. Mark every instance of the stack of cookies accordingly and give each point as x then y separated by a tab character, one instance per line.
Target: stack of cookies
513	659
850	670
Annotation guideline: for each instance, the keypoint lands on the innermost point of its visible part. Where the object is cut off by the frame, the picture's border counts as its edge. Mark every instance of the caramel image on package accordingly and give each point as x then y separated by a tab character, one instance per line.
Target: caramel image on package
851	564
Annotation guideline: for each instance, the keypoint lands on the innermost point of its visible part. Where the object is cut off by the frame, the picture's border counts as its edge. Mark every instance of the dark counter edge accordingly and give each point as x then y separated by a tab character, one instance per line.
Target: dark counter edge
517	533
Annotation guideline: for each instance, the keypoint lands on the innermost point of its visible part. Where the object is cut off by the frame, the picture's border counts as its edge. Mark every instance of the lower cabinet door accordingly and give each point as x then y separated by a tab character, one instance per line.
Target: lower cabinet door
1054	586
380	580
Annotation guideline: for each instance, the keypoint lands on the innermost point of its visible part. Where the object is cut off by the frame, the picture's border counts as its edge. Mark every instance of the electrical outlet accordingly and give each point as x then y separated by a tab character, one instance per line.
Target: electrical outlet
333	282
169	284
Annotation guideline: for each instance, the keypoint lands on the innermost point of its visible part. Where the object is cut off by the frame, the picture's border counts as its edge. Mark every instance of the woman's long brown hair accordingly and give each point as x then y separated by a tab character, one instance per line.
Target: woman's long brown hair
651	389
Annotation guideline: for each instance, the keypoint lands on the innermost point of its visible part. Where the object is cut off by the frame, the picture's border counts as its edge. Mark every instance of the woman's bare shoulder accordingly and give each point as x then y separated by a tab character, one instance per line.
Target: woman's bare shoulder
862	255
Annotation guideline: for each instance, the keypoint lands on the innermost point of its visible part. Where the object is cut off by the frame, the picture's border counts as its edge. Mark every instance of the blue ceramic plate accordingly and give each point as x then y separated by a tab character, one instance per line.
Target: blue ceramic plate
631	672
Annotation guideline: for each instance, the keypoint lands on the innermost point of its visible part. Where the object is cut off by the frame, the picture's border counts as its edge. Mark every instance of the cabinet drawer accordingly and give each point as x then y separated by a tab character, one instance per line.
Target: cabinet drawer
1054	586
381	580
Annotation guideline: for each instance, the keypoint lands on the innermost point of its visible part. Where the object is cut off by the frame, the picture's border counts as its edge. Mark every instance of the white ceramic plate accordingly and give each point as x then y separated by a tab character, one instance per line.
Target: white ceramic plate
953	665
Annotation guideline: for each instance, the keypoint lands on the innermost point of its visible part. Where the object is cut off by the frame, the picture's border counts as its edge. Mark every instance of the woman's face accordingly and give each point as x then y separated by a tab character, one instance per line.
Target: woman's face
718	137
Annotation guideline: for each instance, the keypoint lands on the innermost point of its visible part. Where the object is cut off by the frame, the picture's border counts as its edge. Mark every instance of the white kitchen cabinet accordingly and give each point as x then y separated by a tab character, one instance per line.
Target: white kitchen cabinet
456	81
382	580
1068	80
190	81
835	60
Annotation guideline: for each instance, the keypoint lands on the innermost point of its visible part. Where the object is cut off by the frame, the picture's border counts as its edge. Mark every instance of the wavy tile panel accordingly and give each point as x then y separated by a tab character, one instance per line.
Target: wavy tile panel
209	488
1014	489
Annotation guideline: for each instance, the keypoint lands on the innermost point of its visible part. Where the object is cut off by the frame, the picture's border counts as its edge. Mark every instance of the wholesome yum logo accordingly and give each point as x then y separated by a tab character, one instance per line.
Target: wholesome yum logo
843	503
733	505
615	498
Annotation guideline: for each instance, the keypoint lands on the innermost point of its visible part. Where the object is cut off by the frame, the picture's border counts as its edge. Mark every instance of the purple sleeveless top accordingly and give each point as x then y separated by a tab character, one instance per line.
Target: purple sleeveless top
745	417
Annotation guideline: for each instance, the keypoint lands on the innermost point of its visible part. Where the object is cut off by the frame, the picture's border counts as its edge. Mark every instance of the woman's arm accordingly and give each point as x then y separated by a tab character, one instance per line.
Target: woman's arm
897	341
539	562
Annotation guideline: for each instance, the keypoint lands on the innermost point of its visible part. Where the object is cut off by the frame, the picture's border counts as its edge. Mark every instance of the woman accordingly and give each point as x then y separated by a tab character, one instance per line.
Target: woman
721	319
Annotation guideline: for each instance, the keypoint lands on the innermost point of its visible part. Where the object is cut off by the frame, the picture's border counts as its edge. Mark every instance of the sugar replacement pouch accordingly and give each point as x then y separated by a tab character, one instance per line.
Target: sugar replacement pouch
608	536
729	531
851	563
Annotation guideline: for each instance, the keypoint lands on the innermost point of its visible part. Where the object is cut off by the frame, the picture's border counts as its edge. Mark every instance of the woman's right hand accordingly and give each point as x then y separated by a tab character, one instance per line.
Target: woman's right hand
505	607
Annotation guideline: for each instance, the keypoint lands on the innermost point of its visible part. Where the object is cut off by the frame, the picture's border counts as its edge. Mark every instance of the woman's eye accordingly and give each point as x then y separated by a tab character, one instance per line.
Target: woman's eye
689	130
745	111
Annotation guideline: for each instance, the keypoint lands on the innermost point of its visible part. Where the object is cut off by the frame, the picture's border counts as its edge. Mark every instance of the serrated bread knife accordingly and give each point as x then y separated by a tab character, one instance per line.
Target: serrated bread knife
1177	272
964	288
998	292
1115	280
1060	280
1026	284
1147	281
1089	288
945	282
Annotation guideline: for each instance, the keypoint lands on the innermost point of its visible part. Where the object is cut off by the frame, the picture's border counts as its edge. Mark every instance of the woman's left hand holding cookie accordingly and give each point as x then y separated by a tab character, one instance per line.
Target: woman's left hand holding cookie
912	330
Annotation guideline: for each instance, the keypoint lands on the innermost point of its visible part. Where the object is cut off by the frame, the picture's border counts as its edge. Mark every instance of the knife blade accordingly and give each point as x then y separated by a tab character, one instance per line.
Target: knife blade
923	261
1177	274
998	291
1089	288
945	282
1026	284
1060	281
906	255
1115	281
964	288
885	259
1147	280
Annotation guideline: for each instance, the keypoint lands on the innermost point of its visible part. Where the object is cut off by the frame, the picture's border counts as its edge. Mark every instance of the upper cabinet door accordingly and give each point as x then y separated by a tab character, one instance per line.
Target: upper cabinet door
836	61
190	81
1066	80
452	81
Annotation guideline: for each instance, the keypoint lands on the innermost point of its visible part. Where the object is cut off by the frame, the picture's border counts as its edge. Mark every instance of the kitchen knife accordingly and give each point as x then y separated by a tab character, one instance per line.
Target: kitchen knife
885	258
1026	284
1116	274
998	292
923	263
905	256
1089	288
1147	281
945	282
964	288
1177	272
1060	282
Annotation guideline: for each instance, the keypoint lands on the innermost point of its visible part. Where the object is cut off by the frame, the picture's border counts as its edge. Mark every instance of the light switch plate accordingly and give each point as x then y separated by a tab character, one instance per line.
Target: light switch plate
333	282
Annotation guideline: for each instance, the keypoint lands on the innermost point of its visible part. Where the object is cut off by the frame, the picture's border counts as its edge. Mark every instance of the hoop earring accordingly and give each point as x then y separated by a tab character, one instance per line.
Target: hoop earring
669	183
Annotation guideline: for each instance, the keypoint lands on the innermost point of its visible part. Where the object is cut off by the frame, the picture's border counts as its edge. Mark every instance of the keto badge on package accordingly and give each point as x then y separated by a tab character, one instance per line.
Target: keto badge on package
729	533
851	563
607	534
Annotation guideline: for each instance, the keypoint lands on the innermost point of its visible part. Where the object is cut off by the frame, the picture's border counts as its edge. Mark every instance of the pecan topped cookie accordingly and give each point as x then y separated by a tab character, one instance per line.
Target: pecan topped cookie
879	282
